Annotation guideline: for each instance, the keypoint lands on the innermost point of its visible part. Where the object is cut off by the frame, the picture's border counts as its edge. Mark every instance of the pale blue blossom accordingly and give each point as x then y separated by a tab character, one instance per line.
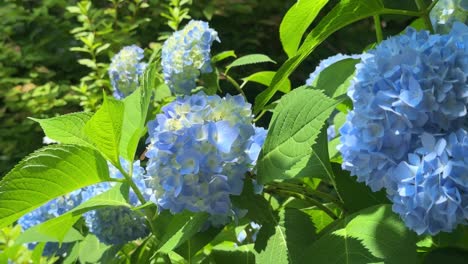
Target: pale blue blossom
125	70
200	149
410	84
186	54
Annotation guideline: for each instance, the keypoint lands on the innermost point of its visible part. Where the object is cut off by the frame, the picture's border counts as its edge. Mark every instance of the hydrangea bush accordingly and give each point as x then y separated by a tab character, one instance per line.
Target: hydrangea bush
367	162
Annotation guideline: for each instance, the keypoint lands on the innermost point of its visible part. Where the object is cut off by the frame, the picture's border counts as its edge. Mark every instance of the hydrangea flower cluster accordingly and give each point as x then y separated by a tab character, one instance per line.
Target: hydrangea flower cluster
125	70
432	191
328	62
117	225
446	12
409	87
200	148
186	54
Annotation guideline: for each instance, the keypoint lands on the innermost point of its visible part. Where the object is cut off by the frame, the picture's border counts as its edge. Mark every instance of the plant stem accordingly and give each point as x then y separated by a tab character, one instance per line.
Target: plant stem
235	84
378	28
259	116
308	191
132	185
389	11
149	213
431	6
289	193
425	14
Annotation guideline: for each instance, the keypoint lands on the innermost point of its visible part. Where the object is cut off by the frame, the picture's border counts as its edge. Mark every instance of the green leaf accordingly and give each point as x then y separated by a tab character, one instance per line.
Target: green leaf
210	82
134	115
223	55
375	234
90	249
87	62
296	21
105	128
54	230
265	77
336	78
174	230
67	129
258	208
60	229
250	59
46	174
317	164
227	254
116	196
293	234
37	253
294	128
344	13
319	218
356	196
446	255
197	242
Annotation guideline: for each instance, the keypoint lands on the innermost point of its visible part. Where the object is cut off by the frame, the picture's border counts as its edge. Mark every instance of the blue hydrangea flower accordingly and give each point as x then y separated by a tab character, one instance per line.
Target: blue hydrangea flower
200	148
328	62
252	229
186	54
125	70
431	194
117	225
446	12
408	85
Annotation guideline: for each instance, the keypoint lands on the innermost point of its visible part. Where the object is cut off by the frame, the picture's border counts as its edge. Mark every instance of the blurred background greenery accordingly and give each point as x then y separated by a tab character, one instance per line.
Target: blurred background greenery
54	54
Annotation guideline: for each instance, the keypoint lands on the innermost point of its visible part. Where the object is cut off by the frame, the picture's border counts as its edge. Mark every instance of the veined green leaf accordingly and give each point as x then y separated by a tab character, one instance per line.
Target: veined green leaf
91	249
174	230
46	174
105	128
375	234
134	114
286	240
296	21
228	254
356	195
223	55
294	128
336	78
67	129
344	13
250	59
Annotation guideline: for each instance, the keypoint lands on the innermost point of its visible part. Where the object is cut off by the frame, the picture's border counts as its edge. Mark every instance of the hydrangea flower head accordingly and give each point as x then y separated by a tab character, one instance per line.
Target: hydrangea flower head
409	85
328	62
117	224
186	54
200	148
432	192
125	70
446	12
